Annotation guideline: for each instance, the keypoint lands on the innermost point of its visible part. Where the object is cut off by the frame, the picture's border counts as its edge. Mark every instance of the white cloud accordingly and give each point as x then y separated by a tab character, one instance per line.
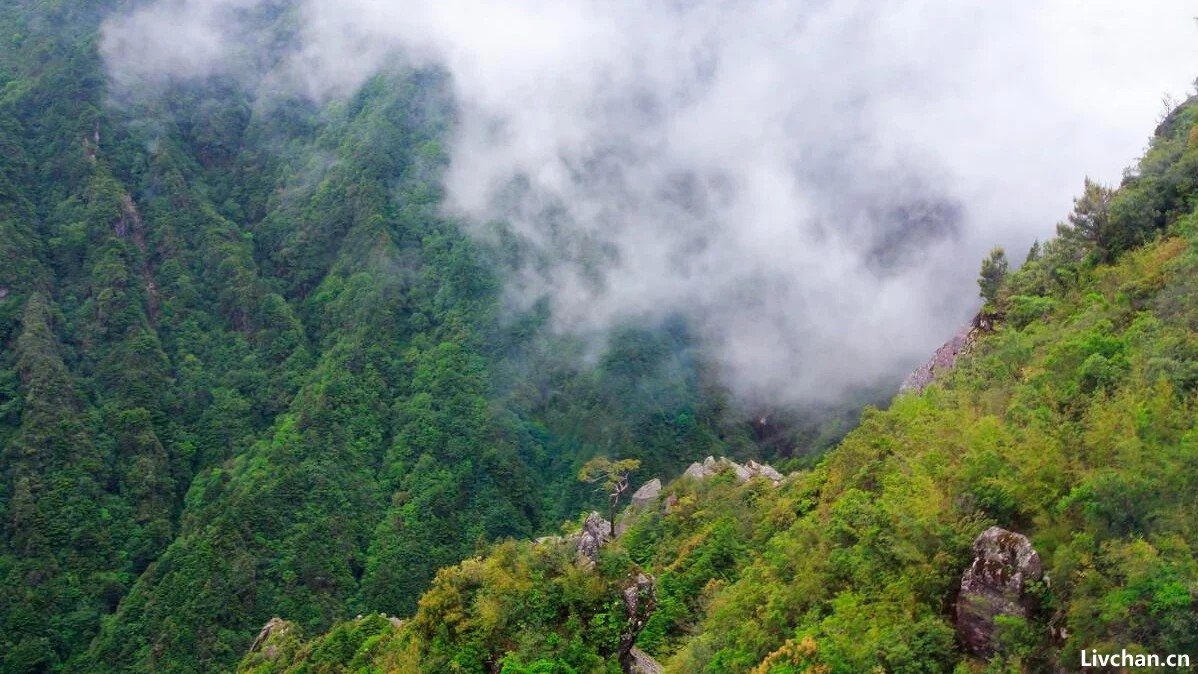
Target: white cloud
813	183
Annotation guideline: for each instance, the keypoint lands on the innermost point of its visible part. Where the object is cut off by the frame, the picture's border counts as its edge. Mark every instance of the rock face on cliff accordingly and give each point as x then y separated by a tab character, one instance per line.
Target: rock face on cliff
640	601
266	645
595	532
946	356
994	585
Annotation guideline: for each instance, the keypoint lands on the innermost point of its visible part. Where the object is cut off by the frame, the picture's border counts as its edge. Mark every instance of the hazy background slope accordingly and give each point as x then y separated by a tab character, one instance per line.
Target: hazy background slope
298	305
1072	421
248	368
803	180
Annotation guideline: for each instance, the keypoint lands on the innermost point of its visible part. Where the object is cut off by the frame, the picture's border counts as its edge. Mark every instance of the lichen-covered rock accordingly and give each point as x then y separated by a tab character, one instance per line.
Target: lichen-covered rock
995	585
647	493
595	532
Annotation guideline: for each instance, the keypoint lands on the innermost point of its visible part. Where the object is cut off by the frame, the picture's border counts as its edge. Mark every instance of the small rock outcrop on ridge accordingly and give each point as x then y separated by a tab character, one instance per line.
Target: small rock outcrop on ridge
750	470
994	585
594	534
262	646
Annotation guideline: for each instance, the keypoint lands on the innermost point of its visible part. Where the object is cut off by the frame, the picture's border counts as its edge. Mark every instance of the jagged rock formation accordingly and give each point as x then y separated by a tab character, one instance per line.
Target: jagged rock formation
640	601
647	494
994	585
263	645
750	470
595	532
946	356
640	662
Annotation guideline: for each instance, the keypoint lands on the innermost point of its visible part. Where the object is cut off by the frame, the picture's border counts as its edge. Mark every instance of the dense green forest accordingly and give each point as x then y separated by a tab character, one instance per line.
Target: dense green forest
249	369
1073	419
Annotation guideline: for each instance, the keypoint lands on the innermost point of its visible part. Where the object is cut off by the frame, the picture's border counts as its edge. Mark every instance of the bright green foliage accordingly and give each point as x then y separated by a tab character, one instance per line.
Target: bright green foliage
248	370
994	272
614	478
1074	422
522	609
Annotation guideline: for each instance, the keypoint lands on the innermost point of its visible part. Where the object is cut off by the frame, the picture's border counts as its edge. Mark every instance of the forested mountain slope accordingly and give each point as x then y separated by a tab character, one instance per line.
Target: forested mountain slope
1074	420
247	369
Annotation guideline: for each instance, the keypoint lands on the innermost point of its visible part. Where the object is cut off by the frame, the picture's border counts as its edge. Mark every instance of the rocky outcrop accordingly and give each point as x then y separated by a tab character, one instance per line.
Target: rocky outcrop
130	224
763	470
670	504
946	356
640	601
1168	125
750	470
640	662
265	645
595	532
995	585
647	494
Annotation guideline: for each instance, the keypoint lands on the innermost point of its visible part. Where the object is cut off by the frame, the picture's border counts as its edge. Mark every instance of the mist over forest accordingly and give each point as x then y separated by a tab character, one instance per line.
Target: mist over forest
809	184
533	337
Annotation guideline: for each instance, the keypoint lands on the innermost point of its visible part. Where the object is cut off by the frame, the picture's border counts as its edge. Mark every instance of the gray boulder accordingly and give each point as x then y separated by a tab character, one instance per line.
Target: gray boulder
995	585
647	494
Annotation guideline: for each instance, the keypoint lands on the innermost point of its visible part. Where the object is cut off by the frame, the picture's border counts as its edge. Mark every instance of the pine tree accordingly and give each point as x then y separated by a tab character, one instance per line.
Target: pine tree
990	280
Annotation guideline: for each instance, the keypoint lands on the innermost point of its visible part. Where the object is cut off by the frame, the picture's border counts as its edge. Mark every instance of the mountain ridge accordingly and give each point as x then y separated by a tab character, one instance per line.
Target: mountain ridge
1070	421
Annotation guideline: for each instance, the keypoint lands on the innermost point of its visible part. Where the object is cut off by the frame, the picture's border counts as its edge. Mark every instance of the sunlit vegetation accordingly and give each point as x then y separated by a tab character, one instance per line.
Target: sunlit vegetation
1073	421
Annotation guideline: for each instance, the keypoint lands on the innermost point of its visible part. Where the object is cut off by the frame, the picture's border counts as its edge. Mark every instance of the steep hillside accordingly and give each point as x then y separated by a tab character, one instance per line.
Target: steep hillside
248	370
1072	420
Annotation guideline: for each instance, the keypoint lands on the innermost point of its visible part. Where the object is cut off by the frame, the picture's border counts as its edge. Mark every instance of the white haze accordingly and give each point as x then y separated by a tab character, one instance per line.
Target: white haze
812	183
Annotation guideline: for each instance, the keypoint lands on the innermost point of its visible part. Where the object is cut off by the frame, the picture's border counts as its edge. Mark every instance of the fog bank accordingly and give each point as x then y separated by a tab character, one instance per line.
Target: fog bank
813	184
